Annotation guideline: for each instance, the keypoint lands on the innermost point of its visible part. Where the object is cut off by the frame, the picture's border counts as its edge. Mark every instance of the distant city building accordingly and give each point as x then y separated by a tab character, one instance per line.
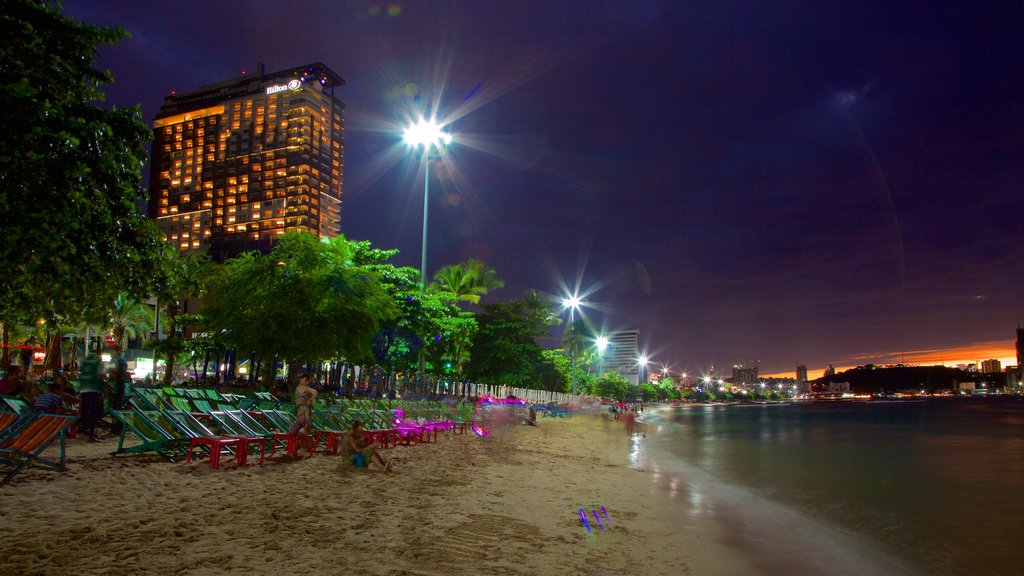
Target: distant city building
238	163
1020	347
829	371
622	354
990	366
801	373
745	372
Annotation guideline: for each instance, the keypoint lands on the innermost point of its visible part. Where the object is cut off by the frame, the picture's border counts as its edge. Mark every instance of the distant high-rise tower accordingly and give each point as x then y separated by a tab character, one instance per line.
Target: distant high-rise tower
237	163
745	372
1020	347
622	354
991	366
801	373
829	371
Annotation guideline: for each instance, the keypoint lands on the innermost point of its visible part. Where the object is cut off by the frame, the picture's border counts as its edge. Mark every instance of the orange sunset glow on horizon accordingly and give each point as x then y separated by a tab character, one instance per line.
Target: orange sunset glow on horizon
1002	350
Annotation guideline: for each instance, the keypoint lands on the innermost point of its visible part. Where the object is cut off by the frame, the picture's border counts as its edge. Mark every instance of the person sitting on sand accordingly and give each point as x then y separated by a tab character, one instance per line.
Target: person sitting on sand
304	396
531	417
361	448
52	401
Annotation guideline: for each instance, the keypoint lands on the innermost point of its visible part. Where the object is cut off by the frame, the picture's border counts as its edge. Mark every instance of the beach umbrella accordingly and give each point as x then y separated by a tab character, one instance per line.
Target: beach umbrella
54	355
73	356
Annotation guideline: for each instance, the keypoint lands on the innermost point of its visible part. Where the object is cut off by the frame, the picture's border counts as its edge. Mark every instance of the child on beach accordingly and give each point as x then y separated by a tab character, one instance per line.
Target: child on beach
361	448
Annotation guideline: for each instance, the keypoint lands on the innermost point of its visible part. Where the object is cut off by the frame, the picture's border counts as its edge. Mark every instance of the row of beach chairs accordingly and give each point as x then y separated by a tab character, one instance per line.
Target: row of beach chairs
176	423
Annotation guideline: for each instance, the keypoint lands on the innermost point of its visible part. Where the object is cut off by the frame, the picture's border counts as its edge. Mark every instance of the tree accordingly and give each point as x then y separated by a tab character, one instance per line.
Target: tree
466	281
183	277
70	173
505	348
128	319
613	386
306	300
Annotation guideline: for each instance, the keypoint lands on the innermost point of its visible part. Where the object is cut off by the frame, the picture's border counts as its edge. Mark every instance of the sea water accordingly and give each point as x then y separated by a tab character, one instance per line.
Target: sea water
903	487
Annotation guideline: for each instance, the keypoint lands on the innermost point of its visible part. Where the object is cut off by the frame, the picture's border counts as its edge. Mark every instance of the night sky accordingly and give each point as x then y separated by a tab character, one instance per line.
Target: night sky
800	182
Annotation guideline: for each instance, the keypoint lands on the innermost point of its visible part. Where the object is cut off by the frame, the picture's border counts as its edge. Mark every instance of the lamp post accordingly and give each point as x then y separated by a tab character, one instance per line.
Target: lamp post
430	135
572	303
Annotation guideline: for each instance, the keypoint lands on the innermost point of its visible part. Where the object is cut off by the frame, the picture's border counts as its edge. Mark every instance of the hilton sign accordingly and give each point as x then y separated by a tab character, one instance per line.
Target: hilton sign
291	85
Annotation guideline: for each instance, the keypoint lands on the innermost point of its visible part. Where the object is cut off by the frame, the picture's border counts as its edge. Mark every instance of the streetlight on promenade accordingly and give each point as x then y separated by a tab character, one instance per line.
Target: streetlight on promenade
572	303
430	136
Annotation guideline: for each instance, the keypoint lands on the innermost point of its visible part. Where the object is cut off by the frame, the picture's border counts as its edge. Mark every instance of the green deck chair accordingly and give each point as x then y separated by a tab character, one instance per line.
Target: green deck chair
155	432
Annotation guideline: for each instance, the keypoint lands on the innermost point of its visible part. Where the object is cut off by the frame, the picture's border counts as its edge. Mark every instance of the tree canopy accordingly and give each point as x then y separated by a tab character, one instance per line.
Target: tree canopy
70	173
305	300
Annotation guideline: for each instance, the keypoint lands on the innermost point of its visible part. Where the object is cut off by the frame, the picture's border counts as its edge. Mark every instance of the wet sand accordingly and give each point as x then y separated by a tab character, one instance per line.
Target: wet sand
506	504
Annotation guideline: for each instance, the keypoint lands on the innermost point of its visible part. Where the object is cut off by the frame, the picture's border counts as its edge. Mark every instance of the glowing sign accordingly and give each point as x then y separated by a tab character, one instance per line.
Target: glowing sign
291	85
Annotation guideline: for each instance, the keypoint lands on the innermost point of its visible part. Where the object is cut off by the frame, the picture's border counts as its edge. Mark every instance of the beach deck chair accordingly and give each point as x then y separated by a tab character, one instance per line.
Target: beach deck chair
283	421
17	405
10	422
202	436
239	423
327	429
151	428
25	446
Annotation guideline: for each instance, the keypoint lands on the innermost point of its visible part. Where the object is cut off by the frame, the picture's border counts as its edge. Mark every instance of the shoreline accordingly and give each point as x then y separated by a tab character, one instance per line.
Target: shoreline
506	504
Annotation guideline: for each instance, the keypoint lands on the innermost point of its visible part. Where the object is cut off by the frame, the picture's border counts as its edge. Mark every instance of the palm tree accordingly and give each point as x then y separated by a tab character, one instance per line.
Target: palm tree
467	281
186	278
129	318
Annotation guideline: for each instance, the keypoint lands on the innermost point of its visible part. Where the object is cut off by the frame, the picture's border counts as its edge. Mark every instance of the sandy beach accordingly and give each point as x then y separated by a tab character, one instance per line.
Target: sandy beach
506	504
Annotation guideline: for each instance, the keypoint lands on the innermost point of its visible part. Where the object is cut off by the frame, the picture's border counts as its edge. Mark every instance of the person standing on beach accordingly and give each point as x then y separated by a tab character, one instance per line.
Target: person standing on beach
304	396
90	394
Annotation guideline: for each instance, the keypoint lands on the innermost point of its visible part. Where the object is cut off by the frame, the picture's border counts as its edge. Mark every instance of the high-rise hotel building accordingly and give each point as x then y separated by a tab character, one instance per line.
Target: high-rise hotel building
237	163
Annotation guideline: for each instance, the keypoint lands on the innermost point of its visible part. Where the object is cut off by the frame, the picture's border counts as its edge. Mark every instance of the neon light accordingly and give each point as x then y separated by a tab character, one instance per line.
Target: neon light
480	430
291	85
598	518
584	520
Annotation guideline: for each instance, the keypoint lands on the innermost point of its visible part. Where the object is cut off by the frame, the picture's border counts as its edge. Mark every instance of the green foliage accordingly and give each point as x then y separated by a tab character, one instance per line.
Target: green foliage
614	386
182	277
505	349
70	173
466	281
648	392
129	318
305	300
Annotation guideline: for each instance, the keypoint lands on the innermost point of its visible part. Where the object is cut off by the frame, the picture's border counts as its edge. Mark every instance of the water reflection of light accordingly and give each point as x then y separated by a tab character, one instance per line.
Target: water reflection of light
634	453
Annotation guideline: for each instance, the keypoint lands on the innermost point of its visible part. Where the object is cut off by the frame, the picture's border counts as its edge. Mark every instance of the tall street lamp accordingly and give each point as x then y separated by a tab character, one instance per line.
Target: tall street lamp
572	303
642	365
430	136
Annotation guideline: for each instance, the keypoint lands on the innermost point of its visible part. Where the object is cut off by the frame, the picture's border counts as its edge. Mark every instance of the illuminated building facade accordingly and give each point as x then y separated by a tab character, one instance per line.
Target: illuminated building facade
238	163
622	354
991	366
1020	347
745	372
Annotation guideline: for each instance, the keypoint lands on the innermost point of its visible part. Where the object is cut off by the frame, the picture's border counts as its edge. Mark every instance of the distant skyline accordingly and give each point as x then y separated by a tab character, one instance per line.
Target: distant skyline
819	183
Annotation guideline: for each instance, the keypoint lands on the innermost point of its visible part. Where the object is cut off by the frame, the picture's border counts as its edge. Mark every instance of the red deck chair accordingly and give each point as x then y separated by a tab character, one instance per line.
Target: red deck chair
25	446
